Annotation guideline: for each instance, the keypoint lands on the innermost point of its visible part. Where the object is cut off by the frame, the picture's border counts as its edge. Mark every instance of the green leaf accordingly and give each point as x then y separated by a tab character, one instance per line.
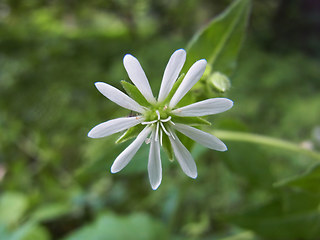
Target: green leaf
50	211
130	133
190	120
12	207
133	227
30	231
294	215
134	93
307	181
248	235
220	41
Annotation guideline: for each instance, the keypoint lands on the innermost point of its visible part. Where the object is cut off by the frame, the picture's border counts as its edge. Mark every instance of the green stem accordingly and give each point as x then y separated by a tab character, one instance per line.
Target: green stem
264	140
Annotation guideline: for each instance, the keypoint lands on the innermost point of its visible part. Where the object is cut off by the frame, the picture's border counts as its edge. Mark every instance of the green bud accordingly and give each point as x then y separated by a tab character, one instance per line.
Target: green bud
219	82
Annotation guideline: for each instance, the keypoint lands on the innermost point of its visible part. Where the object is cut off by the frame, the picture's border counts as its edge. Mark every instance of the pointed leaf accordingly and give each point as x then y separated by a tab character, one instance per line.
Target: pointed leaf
307	181
220	41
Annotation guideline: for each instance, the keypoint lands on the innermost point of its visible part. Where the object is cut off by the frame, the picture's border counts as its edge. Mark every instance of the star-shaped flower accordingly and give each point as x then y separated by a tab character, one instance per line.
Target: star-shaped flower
159	120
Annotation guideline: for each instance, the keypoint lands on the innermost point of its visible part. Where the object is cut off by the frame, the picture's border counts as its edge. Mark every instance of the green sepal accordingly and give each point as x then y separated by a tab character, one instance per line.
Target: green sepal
190	120
186	141
174	88
167	147
134	93
130	133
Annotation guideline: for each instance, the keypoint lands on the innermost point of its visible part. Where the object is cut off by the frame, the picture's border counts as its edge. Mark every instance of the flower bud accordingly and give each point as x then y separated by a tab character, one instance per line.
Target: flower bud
219	82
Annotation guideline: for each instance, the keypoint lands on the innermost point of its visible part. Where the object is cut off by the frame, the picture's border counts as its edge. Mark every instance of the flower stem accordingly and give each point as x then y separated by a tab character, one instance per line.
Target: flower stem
264	140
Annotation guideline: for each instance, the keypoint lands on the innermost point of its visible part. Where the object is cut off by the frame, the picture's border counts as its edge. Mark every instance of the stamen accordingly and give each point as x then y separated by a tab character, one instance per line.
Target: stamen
158	114
167	119
164	129
146	123
172	122
160	137
172	135
157	130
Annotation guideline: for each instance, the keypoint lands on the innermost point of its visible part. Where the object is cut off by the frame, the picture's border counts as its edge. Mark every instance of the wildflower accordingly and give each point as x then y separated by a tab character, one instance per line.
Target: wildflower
159	120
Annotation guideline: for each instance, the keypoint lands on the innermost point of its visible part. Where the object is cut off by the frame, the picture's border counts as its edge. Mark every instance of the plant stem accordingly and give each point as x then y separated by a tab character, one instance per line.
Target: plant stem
264	140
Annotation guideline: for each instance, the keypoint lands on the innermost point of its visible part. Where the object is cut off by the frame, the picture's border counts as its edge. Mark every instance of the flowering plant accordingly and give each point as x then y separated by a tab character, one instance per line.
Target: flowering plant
159	120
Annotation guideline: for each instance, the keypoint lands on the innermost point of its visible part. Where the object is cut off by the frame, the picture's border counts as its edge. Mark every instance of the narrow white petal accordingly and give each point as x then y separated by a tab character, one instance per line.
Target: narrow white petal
203	108
184	157
138	77
113	126
201	137
125	157
118	97
192	76
171	73
154	163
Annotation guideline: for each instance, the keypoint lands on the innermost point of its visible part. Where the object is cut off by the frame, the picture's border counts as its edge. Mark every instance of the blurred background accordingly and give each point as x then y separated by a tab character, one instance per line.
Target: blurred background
55	182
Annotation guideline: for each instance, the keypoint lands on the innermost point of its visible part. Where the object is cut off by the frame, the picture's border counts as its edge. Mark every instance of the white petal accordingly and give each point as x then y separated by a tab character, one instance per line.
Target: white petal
203	108
113	126
201	137
125	157
118	97
154	164
184	157
171	73
138	77
192	76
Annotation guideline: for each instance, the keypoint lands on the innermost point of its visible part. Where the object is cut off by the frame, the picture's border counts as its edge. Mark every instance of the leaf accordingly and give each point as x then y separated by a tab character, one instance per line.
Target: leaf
307	181
253	166
240	236
134	93
12	207
30	231
190	120
133	227
220	41
294	215
130	133
50	211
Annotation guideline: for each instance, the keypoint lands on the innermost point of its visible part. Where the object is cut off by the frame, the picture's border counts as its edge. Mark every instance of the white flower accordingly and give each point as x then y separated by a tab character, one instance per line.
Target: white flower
157	116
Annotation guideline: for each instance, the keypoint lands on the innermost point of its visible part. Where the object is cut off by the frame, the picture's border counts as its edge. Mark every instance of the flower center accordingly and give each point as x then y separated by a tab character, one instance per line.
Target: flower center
159	119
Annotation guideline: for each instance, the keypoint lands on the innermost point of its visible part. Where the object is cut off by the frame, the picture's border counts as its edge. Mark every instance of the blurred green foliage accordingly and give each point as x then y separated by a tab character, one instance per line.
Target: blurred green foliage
55	182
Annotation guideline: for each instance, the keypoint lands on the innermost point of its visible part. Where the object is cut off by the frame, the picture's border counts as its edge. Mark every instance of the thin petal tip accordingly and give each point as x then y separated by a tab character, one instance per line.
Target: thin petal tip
127	57
181	51
230	102
223	149
90	135
114	169
99	85
155	186
202	61
194	175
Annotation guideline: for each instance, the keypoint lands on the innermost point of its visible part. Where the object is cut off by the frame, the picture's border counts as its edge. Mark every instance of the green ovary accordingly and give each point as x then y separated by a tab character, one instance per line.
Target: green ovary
151	115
